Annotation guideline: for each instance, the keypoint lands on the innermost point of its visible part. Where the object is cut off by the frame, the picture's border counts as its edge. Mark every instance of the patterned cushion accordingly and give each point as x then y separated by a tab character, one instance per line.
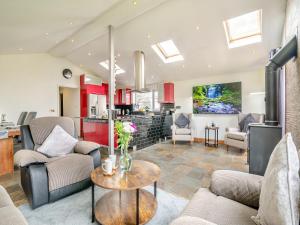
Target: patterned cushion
68	170
244	123
218	210
237	186
279	198
182	121
41	127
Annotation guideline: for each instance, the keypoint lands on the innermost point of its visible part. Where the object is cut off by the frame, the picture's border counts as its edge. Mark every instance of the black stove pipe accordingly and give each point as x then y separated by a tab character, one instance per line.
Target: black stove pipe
272	80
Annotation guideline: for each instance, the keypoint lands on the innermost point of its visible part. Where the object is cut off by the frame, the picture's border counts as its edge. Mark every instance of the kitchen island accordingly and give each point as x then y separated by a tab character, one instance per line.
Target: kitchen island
96	130
150	128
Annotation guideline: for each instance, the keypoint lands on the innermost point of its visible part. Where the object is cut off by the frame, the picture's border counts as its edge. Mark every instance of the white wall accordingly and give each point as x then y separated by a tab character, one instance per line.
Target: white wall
251	82
30	82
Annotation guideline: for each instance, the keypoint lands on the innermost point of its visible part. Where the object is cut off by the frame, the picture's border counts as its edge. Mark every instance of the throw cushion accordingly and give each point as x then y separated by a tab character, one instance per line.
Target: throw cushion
278	204
244	123
182	121
58	143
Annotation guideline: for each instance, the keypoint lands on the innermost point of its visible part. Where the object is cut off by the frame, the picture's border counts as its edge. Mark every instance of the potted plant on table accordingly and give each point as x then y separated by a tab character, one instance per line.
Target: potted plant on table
125	131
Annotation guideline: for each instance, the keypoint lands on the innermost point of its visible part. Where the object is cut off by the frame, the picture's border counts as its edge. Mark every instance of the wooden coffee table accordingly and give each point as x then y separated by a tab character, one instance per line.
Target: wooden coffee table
120	205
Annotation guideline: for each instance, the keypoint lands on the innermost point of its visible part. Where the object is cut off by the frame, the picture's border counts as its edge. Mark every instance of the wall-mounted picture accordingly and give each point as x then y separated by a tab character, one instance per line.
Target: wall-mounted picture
218	98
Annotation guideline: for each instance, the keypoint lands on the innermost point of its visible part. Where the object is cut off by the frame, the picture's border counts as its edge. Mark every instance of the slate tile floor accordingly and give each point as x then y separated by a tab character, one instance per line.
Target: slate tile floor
184	167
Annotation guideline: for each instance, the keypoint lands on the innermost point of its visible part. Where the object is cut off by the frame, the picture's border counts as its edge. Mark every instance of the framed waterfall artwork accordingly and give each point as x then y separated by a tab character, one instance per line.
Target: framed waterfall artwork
223	98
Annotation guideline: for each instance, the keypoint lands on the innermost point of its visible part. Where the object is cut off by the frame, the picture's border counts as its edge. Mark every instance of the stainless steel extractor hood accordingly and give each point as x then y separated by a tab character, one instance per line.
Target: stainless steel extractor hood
139	72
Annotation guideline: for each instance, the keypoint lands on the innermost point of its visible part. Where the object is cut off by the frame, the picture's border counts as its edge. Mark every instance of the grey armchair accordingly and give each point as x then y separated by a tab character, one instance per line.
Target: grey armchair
232	198
48	179
9	213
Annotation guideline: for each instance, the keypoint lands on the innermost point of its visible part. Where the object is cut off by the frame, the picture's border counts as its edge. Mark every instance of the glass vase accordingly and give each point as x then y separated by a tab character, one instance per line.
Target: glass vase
125	160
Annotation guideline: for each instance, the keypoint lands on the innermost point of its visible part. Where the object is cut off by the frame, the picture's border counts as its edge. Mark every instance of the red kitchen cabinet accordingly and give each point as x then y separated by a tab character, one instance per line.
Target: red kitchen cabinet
97	132
118	95
125	96
166	93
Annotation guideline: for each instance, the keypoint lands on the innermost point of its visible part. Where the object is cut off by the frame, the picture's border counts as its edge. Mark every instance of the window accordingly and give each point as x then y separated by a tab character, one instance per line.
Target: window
167	51
143	100
244	30
118	70
148	99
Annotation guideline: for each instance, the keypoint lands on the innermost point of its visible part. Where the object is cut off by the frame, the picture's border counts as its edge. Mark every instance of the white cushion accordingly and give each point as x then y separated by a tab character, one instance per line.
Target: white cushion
278	203
58	143
237	135
183	131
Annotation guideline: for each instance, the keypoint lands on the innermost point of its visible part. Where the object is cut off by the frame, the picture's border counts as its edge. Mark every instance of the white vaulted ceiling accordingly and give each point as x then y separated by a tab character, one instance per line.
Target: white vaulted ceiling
195	26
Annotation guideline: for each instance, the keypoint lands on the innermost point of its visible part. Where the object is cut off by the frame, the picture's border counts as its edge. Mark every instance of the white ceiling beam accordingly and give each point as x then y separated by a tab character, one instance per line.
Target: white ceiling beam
120	14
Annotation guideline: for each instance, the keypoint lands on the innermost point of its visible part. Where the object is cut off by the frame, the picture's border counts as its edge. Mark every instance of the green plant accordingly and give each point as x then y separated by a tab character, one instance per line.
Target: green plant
124	131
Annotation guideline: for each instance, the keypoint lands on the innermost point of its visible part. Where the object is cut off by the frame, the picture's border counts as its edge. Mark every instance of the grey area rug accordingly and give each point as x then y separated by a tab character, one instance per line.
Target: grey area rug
76	209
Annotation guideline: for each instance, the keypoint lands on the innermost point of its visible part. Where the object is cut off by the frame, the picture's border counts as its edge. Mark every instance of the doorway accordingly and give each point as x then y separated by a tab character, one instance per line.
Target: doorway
69	105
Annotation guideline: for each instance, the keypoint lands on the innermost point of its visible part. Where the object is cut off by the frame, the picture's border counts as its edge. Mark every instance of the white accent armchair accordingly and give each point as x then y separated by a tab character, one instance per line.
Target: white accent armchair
183	134
235	137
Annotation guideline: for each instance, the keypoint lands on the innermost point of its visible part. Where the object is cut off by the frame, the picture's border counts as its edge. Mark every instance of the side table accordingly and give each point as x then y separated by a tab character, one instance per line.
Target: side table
212	142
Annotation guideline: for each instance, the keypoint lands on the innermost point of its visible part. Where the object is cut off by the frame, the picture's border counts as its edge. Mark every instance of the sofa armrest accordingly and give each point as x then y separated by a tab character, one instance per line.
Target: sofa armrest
85	147
26	157
5	199
232	129
238	186
191	220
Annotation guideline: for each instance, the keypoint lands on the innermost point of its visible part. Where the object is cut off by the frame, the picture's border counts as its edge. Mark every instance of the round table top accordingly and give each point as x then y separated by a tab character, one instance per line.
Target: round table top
142	174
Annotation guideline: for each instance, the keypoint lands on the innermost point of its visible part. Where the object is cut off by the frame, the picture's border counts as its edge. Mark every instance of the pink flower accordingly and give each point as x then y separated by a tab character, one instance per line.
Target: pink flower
129	127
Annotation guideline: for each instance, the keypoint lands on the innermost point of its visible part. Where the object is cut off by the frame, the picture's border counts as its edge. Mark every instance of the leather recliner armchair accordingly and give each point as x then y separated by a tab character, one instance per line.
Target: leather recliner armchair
45	179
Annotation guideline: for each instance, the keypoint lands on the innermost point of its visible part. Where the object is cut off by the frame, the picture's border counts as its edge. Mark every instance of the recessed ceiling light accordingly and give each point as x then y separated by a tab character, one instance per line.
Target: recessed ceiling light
134	2
119	55
118	70
89	54
47	34
167	51
197	28
244	30
148	36
209	66
72	40
71	23
20	49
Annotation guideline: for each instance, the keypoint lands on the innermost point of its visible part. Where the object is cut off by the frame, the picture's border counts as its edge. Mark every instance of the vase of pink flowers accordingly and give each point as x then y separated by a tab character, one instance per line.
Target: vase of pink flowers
125	131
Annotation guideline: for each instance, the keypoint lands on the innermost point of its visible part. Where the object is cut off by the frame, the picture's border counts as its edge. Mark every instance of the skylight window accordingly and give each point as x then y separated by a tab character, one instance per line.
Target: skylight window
167	51
118	70
244	30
